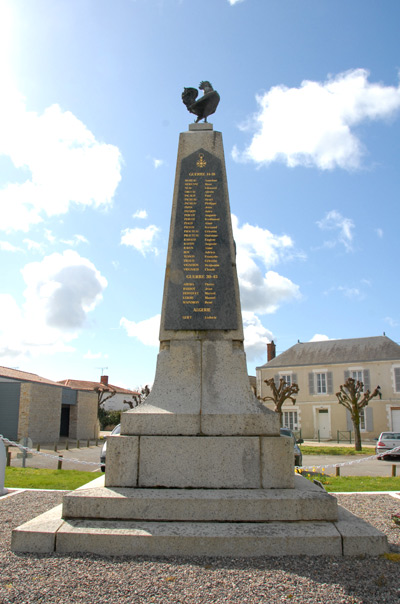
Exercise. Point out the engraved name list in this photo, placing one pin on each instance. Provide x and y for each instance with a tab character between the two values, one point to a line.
201	292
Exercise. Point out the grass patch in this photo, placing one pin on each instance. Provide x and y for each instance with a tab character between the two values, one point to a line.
346	484
321	450
35	478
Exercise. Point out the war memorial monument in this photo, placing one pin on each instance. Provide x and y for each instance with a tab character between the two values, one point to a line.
200	468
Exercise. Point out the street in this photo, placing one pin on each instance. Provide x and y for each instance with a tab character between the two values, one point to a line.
356	465
84	454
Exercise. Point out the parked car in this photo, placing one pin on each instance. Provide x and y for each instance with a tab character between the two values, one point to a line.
117	430
386	442
298	456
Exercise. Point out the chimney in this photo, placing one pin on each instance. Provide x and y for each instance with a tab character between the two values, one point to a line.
104	380
271	351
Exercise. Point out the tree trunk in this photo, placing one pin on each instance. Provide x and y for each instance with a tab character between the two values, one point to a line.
357	437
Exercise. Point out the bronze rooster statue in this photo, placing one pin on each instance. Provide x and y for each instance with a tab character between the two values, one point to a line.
206	105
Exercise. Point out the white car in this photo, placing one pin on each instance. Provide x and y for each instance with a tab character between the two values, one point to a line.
386	442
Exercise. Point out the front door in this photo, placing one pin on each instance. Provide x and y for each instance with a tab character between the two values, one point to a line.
324	423
64	425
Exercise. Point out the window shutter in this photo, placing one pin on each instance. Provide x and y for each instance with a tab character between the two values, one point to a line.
276	380
349	423
329	379
311	382
397	379
294	378
367	380
369	419
346	375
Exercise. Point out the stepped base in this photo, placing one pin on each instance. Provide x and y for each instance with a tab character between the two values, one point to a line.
305	502
348	536
234	523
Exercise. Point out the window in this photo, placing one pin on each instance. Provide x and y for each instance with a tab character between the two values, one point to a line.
397	379
321	383
289	378
362	419
359	375
290	420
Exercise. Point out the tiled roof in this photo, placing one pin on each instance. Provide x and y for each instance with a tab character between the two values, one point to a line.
328	352
24	376
85	385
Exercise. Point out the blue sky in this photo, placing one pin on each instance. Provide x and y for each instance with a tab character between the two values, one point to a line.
90	115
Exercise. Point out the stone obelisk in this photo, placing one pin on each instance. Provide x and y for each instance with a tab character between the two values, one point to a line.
201	426
200	468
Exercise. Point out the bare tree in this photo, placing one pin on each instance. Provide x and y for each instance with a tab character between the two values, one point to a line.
139	397
103	394
280	394
353	397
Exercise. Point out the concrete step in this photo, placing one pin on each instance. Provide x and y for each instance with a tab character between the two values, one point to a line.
124	538
348	536
202	505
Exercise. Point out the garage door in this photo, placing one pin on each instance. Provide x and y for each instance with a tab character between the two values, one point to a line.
395	420
9	409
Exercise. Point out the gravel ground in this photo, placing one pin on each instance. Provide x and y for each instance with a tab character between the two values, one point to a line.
27	578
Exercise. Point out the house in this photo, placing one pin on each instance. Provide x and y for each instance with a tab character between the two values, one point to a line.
319	368
43	410
110	397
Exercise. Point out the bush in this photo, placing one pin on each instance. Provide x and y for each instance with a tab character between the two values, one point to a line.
109	418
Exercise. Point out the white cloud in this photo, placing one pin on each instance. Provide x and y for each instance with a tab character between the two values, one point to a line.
141	239
256	336
49	236
66	165
146	331
141	214
60	291
34	245
351	292
319	337
75	240
257	249
232	2
379	232
313	125
334	221
6	246
157	163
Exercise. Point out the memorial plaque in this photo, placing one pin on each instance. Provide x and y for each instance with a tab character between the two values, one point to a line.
201	292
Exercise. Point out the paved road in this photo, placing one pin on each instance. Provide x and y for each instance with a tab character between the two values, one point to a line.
83	454
372	467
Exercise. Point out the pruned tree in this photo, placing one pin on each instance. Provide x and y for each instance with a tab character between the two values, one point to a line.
103	394
139	397
281	393
353	397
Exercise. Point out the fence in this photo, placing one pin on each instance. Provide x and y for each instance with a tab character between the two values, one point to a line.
344	436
